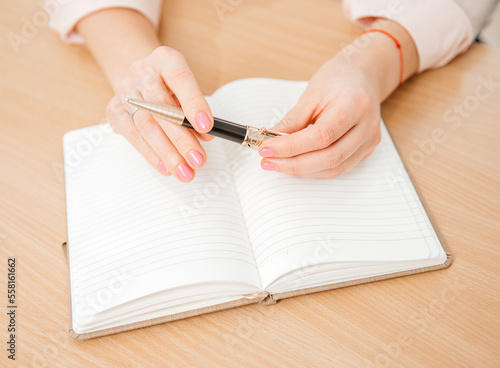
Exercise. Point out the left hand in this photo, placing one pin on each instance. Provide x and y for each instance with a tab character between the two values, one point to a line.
334	125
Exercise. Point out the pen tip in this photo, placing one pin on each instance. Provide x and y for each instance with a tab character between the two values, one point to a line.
126	99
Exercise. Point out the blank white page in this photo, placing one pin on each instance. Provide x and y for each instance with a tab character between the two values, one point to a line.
136	231
369	214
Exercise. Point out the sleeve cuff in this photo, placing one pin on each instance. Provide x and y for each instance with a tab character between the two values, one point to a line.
440	29
64	17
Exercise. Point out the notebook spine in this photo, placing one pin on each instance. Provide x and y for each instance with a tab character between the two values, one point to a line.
263	297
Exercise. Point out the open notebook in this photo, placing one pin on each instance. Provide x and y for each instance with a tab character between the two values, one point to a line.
145	249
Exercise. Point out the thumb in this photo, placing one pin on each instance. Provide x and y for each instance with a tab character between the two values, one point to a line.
297	118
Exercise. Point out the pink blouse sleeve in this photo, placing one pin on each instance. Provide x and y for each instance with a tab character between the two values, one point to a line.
441	29
63	17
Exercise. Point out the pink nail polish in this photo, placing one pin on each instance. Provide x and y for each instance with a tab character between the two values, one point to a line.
268	166
202	120
195	157
184	172
163	168
266	152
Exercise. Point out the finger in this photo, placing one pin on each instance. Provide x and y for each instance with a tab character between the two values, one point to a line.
204	137
324	159
140	144
331	125
175	72
152	87
185	143
298	117
368	154
122	124
182	138
163	147
345	166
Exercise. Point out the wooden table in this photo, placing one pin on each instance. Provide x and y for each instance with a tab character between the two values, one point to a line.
448	318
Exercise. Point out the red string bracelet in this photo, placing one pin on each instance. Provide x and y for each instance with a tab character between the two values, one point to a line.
398	45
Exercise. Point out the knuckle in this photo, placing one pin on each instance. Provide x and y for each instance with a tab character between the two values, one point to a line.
180	139
158	98
163	150
137	66
334	158
179	73
292	148
287	120
291	118
334	173
164	52
147	126
325	136
295	169
132	135
343	118
123	88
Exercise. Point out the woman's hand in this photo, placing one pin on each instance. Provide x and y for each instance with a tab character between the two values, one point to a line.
163	77
334	125
126	45
336	122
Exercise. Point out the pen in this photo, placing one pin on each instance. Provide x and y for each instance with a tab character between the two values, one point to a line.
246	135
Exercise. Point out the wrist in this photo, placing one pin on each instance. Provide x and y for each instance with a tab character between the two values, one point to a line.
118	37
377	56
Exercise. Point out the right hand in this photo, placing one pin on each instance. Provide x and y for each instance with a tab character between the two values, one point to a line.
163	77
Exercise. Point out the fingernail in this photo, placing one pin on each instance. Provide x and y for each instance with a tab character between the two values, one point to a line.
268	166
195	157
266	152
184	172
202	120
163	168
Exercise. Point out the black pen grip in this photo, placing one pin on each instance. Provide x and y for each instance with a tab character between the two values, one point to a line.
224	129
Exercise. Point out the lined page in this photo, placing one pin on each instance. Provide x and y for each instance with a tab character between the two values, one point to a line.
136	231
369	214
